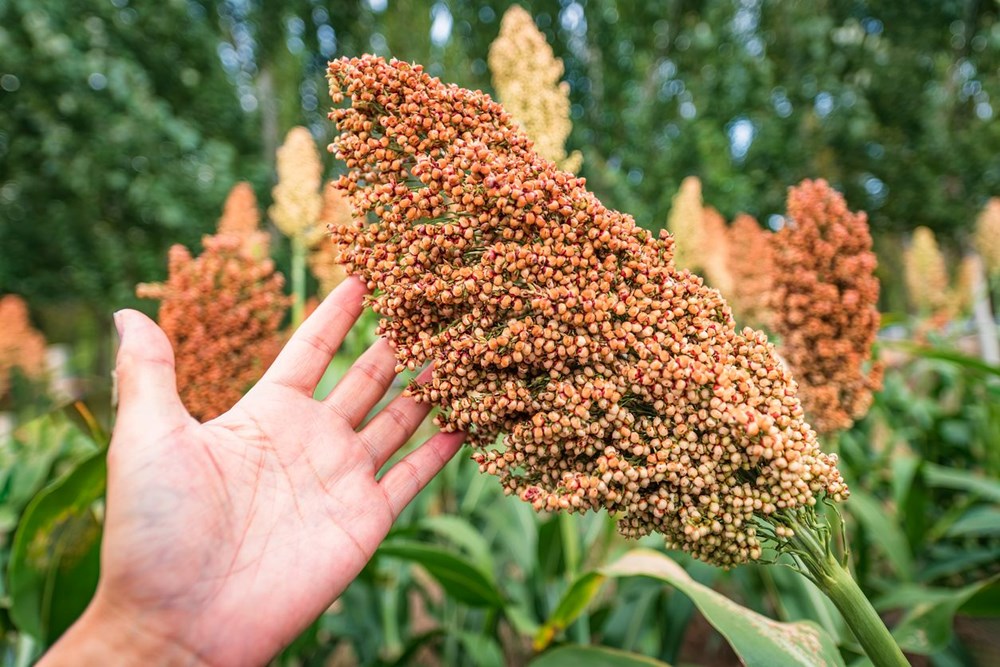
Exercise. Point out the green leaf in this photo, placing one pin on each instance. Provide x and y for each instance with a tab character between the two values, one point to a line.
959	480
55	557
977	522
460	578
29	456
483	651
551	555
953	559
970	363
904	469
886	533
521	619
573	602
593	656
462	534
756	639
926	627
985	602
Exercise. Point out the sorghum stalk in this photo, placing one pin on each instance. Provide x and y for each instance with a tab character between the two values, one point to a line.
807	538
298	280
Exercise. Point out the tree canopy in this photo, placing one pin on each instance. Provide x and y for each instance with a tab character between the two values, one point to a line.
123	125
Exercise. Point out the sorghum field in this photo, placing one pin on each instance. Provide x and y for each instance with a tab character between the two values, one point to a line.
712	287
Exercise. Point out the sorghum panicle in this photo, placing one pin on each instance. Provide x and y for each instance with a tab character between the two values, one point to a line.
618	380
297	197
968	280
241	219
987	238
21	345
926	273
240	214
751	263
221	311
715	251
324	254
823	304
526	77
686	224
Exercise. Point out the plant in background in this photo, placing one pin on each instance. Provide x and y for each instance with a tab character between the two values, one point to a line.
526	77
686	224
222	311
240	214
750	261
324	253
618	380
715	247
298	202
823	305
22	347
926	274
987	236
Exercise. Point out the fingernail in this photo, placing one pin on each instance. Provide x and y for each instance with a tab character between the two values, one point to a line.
117	317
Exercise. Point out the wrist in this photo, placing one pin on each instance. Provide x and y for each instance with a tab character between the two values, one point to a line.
105	635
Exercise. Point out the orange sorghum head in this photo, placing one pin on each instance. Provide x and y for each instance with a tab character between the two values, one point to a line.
221	311
616	380
240	214
21	345
241	219
751	264
526	77
823	305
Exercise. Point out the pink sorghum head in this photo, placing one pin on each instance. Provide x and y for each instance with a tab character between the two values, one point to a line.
615	380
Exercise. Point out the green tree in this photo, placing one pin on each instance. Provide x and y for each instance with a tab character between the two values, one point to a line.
120	134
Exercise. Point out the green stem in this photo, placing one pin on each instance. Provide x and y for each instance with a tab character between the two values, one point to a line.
811	543
298	280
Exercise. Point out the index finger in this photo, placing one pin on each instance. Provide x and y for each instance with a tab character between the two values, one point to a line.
303	360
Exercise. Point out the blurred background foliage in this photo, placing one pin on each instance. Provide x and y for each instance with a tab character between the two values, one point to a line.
123	123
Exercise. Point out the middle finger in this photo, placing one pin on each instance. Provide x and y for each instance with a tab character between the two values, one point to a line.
365	383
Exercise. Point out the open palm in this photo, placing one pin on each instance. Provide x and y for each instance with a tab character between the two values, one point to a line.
226	539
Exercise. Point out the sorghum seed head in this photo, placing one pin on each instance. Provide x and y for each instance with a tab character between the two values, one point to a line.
617	380
823	305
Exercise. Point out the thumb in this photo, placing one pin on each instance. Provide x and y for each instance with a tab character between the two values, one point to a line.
147	379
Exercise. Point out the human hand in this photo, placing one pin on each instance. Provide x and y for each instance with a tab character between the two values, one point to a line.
224	540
